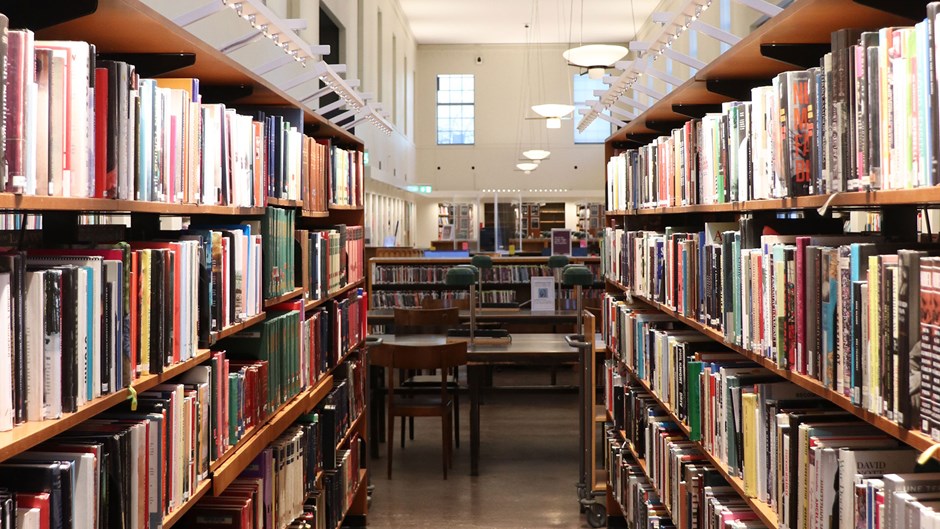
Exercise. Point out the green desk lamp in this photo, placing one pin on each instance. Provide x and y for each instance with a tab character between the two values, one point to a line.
554	263
465	276
579	276
481	262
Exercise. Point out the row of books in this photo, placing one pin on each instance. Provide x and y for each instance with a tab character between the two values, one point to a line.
389	299
277	230
803	456
20	221
683	490
860	120
817	305
435	274
330	259
80	126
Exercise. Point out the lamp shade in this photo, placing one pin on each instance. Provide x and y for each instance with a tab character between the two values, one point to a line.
552	110
461	276
553	123
527	166
595	57
482	261
536	154
577	275
558	261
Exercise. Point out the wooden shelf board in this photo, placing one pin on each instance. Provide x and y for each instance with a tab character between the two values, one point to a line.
312	304
285	202
353	427
232	329
915	439
134	27
227	468
311	214
802	22
170	519
270	302
600	413
45	203
30	434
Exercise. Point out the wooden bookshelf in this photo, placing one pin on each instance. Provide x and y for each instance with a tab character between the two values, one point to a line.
802	22
311	214
227	468
285	203
312	304
916	439
856	199
270	302
38	204
170	519
345	207
32	433
761	509
232	329
354	427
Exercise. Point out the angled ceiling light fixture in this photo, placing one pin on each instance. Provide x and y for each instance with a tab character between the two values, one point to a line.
595	58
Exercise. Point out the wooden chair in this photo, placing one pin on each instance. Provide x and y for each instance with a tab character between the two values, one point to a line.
444	357
427	321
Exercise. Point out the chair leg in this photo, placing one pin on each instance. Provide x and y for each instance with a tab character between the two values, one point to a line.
445	445
403	431
457	416
411	428
391	443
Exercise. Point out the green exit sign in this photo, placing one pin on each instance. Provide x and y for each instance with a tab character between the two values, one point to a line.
419	189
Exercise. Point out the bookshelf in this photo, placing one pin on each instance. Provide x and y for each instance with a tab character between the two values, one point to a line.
137	32
507	282
793	40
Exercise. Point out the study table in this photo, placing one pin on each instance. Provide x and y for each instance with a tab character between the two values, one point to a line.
537	349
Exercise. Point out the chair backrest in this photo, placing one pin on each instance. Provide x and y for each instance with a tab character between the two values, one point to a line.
425	321
441	356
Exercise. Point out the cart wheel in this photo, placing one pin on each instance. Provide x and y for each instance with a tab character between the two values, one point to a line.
597	515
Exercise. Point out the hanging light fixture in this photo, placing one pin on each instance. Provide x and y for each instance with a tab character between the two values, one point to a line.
527	166
536	154
553	113
595	57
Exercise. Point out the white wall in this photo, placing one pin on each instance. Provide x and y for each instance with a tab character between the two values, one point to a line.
499	116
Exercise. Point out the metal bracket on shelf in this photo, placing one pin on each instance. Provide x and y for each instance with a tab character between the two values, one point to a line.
664	126
911	10
736	89
40	15
804	55
224	93
694	110
153	64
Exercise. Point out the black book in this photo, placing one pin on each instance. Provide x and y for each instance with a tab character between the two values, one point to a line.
15	264
41	477
70	298
842	102
157	304
909	357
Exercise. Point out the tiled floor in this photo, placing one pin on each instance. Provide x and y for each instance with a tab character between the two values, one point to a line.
528	467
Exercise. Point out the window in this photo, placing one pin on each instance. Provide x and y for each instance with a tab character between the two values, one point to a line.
455	109
599	129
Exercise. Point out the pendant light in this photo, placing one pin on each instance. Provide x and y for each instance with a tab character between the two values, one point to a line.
596	58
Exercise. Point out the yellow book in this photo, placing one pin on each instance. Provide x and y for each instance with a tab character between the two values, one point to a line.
145	311
749	430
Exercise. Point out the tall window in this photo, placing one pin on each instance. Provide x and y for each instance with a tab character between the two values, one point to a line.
599	129
455	109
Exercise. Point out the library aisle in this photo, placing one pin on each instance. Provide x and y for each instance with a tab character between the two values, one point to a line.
527	479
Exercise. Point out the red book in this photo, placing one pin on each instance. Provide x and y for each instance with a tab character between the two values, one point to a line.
799	362
101	134
35	500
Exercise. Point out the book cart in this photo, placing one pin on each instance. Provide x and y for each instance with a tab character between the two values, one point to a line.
133	31
794	39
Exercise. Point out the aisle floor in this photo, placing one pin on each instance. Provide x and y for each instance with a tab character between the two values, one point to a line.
528	467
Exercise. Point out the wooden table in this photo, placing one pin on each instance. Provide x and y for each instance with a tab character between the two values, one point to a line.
525	349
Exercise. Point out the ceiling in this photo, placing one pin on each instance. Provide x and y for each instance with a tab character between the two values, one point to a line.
503	21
